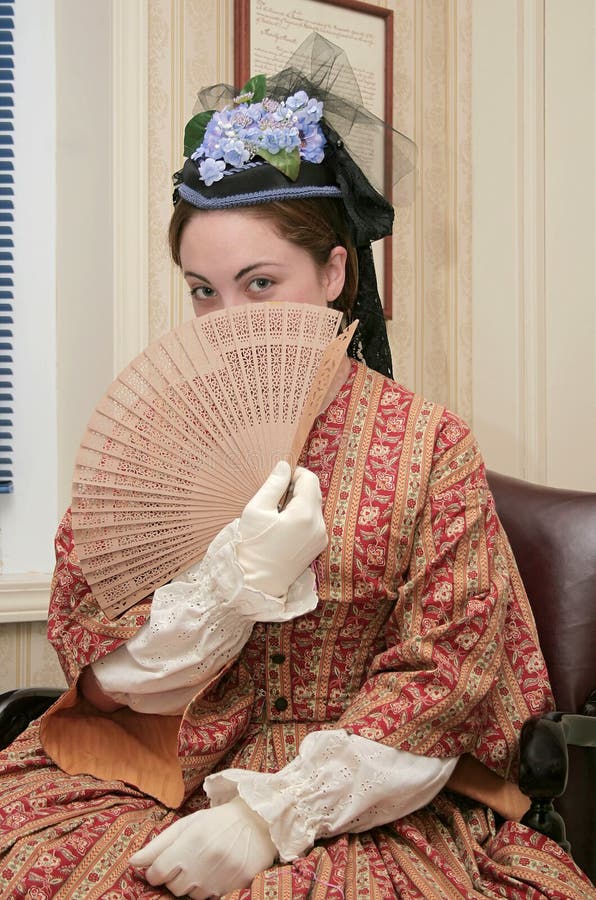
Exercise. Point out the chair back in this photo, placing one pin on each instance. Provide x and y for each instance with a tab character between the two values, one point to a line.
553	537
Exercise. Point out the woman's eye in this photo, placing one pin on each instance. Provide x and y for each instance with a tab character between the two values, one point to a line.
259	284
202	292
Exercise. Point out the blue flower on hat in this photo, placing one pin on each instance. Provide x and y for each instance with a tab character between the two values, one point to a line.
308	109
275	139
313	144
234	152
211	170
300	98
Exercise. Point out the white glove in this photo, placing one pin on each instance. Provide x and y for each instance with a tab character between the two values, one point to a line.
277	546
202	620
209	852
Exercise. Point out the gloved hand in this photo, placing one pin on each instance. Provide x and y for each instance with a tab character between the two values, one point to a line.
277	546
209	852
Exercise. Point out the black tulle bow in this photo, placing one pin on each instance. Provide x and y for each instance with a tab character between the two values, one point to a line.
369	213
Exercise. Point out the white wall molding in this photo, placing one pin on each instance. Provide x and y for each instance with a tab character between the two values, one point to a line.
497	248
534	109
24	598
178	89
452	125
570	238
459	147
531	243
419	223
130	178
509	348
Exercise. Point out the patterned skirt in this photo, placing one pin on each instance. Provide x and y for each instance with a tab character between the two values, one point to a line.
70	837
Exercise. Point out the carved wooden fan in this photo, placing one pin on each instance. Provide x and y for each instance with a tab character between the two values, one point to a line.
186	435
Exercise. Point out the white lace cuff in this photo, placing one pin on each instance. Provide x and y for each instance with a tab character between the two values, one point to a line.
198	623
338	783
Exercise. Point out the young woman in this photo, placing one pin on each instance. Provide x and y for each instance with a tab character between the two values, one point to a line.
329	703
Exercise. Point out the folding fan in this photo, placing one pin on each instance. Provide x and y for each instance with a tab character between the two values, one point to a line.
186	435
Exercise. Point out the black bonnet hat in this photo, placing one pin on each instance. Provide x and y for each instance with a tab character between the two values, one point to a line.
292	136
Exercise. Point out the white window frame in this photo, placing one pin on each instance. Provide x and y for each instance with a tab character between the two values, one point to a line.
28	517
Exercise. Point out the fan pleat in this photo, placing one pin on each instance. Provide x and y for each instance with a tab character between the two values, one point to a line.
187	433
156	548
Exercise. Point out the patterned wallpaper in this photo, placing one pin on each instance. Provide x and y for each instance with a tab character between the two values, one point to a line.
26	658
190	45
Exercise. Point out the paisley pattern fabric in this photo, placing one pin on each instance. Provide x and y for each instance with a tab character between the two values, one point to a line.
422	640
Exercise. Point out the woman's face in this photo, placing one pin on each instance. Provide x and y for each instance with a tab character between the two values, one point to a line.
232	257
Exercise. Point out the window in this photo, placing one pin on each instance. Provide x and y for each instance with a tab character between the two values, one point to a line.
29	514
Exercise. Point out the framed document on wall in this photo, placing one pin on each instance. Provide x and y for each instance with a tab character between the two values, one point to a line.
267	32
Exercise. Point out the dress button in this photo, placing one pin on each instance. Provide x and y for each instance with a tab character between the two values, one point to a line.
278	658
280	704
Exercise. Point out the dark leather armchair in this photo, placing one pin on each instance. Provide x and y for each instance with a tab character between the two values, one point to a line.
553	536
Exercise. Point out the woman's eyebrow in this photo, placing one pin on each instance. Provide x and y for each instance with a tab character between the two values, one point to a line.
247	269
188	274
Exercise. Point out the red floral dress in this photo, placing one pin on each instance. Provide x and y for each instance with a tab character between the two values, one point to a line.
422	640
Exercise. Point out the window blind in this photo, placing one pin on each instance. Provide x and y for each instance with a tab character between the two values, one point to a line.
6	242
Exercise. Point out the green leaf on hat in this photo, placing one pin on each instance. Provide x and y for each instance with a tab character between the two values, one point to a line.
257	86
287	161
195	131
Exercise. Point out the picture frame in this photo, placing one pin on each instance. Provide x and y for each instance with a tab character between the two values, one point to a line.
266	32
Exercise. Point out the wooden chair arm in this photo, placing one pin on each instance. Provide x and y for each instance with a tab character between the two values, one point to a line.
544	764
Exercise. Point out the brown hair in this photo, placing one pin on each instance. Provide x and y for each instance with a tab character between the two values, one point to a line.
317	225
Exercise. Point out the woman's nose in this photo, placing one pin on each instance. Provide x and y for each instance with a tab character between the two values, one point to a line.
230	299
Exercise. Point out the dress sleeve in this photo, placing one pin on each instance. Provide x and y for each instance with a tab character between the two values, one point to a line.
337	783
462	669
198	623
149	651
77	627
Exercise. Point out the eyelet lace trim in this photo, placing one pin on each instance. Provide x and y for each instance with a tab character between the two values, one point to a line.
338	783
198	623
